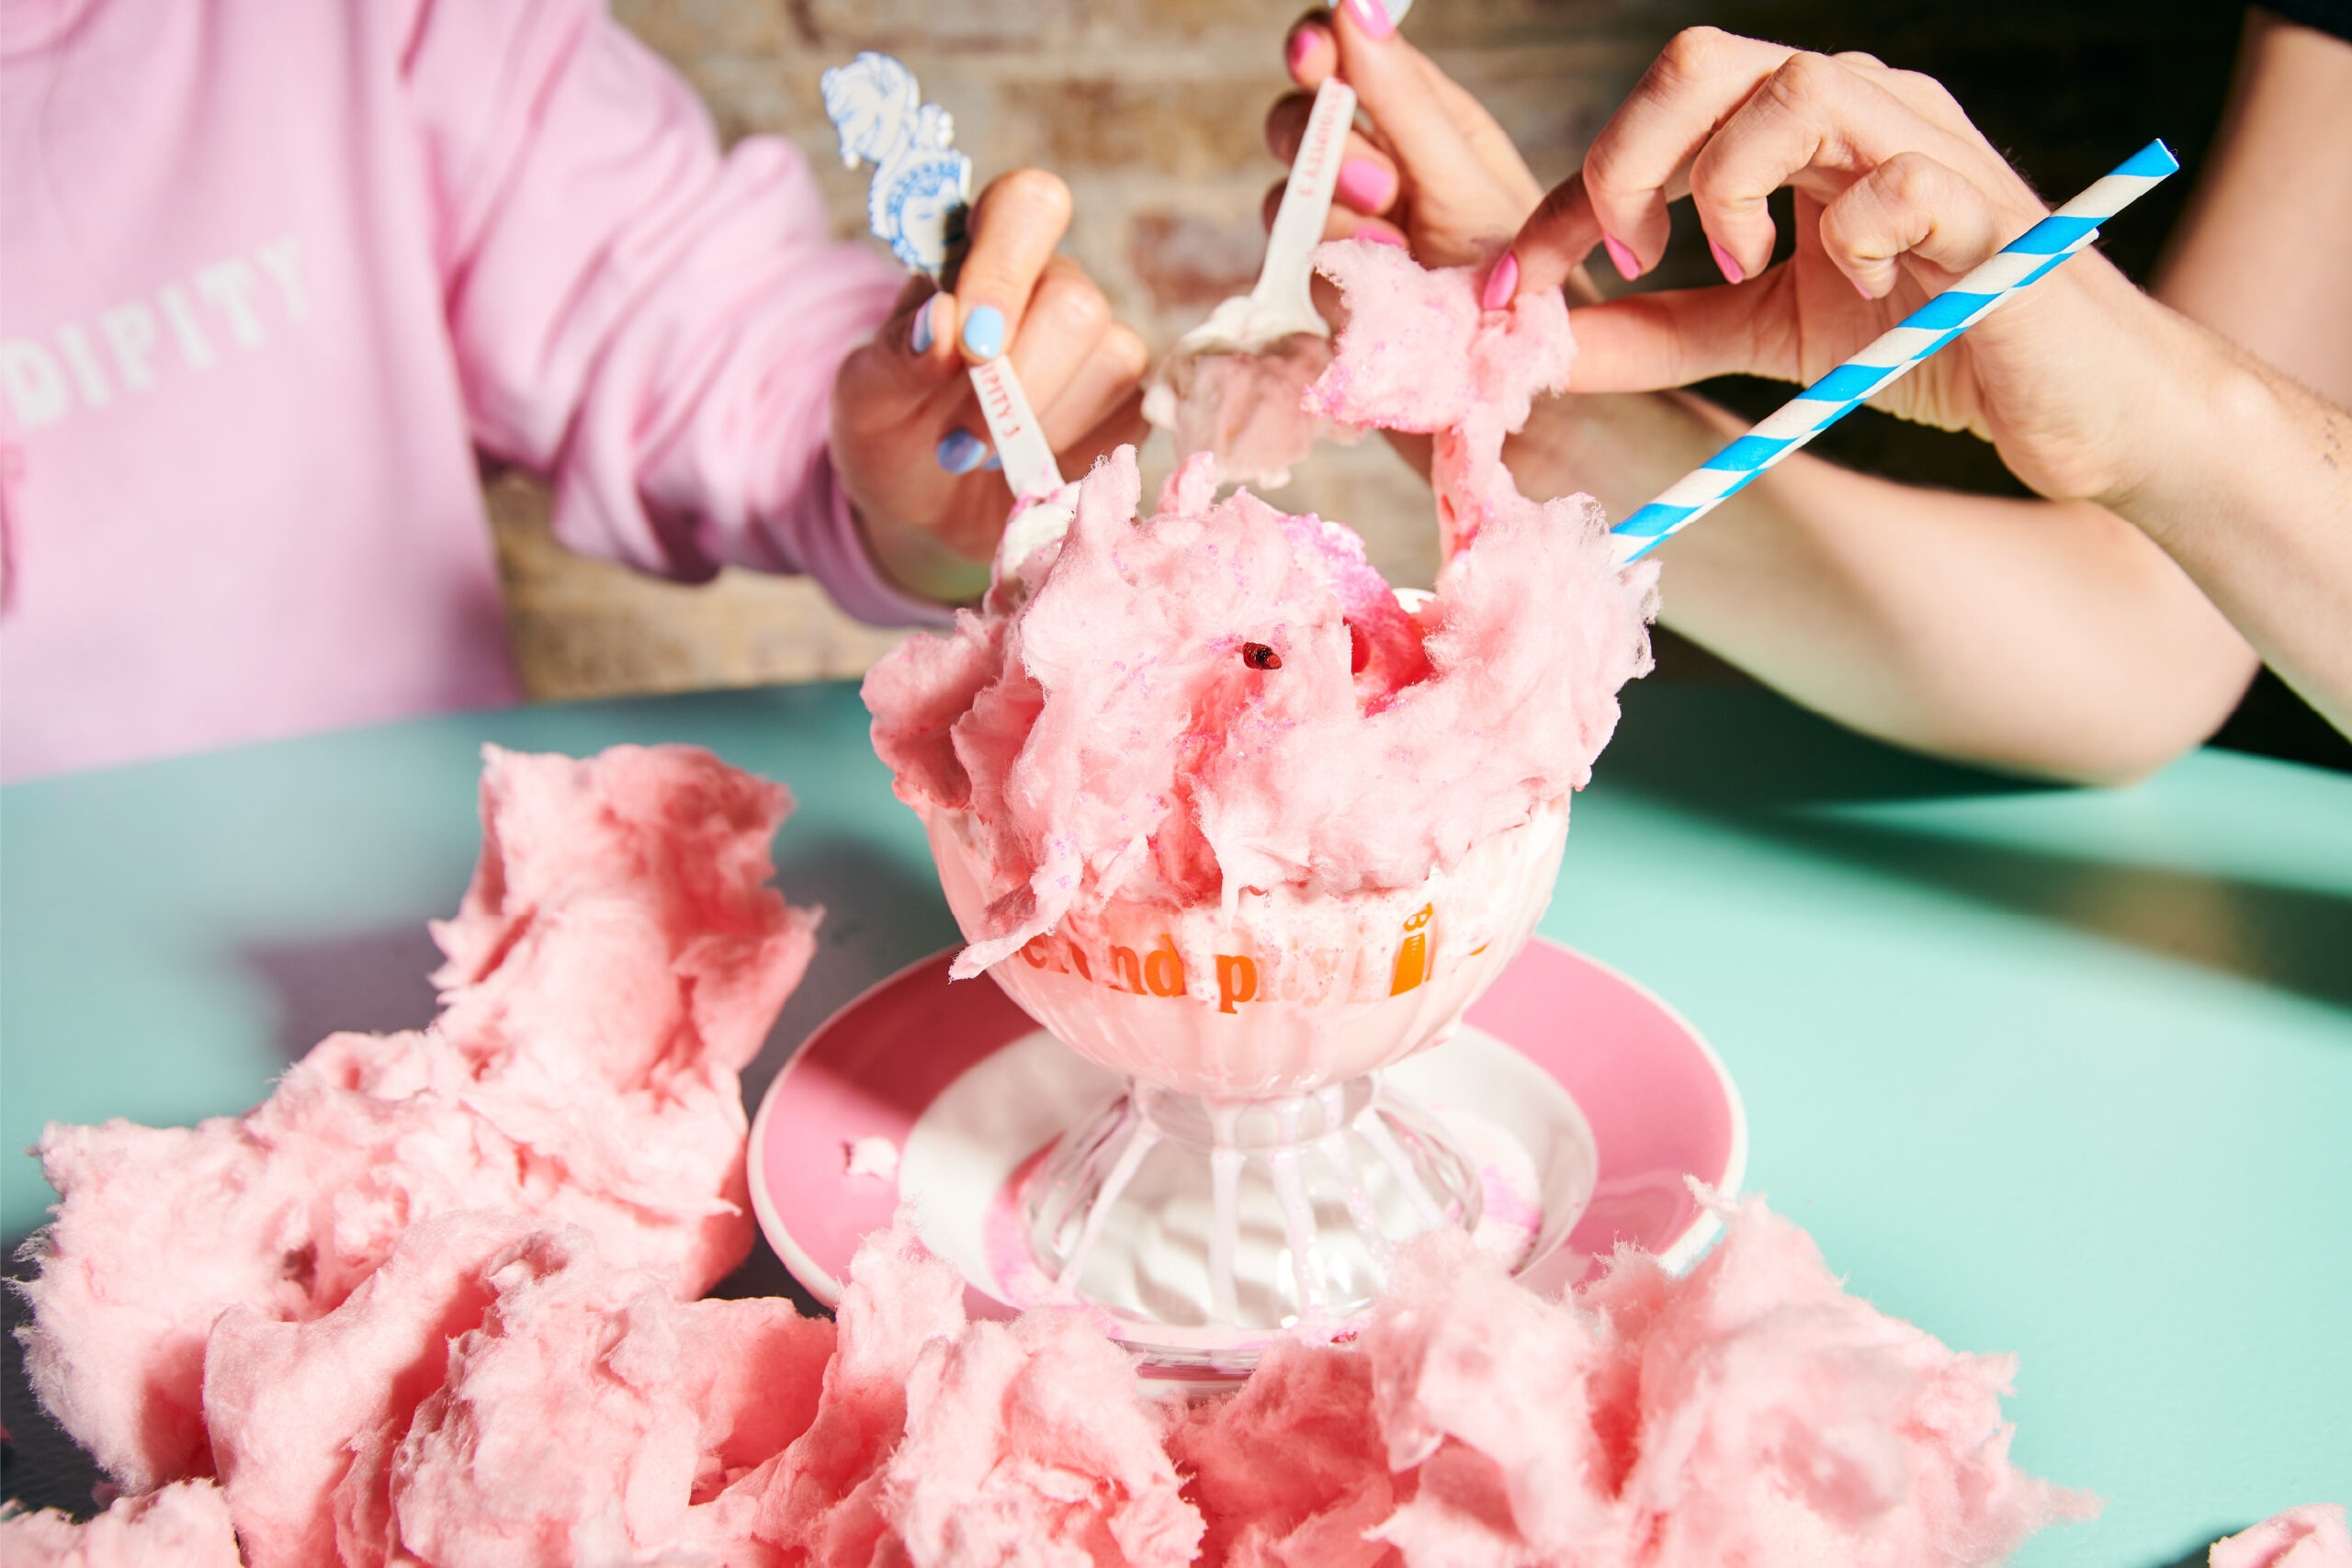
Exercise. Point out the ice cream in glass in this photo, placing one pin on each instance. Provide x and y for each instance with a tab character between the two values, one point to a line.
1229	815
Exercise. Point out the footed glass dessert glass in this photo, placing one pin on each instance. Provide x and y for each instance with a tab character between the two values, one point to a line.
1257	1174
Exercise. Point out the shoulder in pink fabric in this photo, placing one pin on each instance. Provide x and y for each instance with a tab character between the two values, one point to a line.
1219	697
618	961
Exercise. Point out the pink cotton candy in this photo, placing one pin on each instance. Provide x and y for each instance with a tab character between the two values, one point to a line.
825	1495
1750	1412
1246	410
301	1415
948	1445
1032	1443
497	1393
592	1418
2313	1535
185	1526
1314	1506
502	1394
1103	722
1417	352
618	960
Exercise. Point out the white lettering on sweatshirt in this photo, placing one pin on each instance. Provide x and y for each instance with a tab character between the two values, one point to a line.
45	375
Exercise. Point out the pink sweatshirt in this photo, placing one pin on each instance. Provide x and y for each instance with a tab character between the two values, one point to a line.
272	274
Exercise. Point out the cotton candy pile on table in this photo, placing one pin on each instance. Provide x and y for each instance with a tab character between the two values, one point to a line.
2313	1535
185	1525
1749	1413
501	1393
1221	700
618	960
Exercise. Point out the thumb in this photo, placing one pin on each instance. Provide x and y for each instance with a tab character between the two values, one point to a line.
1645	342
1555	238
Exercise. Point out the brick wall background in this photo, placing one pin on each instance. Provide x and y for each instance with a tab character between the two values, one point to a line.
1152	112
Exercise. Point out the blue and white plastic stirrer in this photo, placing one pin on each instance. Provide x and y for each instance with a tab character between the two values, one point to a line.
917	202
2018	265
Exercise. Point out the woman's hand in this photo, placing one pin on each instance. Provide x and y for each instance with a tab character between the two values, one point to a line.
1436	171
1897	195
908	444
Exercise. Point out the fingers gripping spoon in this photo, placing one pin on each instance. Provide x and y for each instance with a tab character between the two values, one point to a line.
918	204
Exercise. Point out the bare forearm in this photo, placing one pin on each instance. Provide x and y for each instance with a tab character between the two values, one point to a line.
2051	639
2246	482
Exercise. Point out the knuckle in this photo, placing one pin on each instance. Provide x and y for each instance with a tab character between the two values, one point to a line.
1803	77
1072	299
1124	349
1909	179
1605	178
1854	57
1694	53
1554	210
1719	183
1927	89
1034	193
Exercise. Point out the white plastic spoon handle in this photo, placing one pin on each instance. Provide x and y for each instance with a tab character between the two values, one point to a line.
1306	202
1029	465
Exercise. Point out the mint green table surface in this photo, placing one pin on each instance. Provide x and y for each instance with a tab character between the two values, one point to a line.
2062	1072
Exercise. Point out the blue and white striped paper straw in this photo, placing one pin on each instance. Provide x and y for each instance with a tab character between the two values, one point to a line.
2018	266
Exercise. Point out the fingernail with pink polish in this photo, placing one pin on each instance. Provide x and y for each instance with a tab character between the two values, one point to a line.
1378	18
1501	283
1863	290
1380	236
1628	267
1365	186
1302	44
1733	272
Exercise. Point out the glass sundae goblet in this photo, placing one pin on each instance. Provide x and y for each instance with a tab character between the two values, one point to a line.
1257	1174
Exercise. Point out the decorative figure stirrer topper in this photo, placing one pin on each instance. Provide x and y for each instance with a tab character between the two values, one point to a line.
923	187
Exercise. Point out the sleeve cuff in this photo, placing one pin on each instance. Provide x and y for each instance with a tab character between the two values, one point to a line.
838	558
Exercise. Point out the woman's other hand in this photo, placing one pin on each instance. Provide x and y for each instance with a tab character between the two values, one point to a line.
1435	171
1897	194
908	444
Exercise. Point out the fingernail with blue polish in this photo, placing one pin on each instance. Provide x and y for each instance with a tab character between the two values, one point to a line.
984	331
921	340
961	451
995	464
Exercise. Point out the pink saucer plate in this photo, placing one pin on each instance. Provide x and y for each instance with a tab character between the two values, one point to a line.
1599	1096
